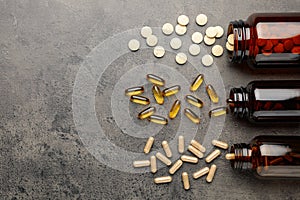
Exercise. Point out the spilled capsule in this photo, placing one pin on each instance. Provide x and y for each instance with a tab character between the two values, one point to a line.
197	82
166	148
140	100
180	144
175	167
163	179
155	79
200	173
213	155
158	95
171	90
212	93
194	101
175	109
189	159
141	163
220	144
211	173
153	165
148	145
195	151
158	119
146	113
198	146
192	116
216	112
163	159
185	180
134	90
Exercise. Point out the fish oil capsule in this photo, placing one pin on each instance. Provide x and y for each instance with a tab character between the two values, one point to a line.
200	173
148	145
194	101
212	93
175	167
158	119
153	165
212	155
192	116
134	90
198	146
211	173
140	100
180	144
163	179
171	90
189	159
167	149
216	112
175	109
163	159
156	80
185	180
158	96
195	151
146	113
197	82
141	163
220	144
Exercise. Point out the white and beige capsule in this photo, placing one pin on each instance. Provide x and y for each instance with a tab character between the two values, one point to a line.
153	164
175	166
189	159
211	173
185	180
200	173
198	146
220	144
148	145
180	144
163	179
213	155
195	151
163	159
166	148
141	163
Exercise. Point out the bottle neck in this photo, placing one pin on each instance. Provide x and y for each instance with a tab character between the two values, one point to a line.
238	102
242	156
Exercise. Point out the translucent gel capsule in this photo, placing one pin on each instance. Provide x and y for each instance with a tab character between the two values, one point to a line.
212	93
158	95
213	155
189	159
163	179
155	79
171	90
163	159
175	167
211	173
194	101
166	148
134	90
140	100
141	163
216	112
195	151
153	165
192	116
197	82
158	119
148	145
175	109
198	146
200	173
180	144
146	113
185	180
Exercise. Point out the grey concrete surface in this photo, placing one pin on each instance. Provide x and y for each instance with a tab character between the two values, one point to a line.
42	45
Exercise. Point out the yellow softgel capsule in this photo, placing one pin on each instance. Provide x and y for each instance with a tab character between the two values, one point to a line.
192	116
134	90
146	113
185	180
212	93
158	95
148	145
194	101
175	109
155	79
163	179
171	90
158	119
197	82
140	100
176	166
216	112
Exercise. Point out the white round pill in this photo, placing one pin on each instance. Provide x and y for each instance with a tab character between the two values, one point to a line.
146	31
220	31
175	43
217	50
194	49
207	60
151	40
183	20
197	37
168	29
209	41
181	58
201	19
134	45
180	30
211	32
159	51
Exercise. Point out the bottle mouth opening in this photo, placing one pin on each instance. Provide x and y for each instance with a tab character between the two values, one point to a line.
235	41
237	102
229	45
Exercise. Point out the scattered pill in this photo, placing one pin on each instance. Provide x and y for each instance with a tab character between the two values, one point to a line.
198	146
195	151
180	30
151	40
220	144
207	60
175	166
171	90
197	82
181	58
163	179
159	51
158	119
134	45
153	165
201	19
141	163
194	49
229	47
134	90
230	39
209	41
139	100
230	156
200	173
180	144
155	79
166	148
189	159
217	50
194	101
191	115
174	109
212	93
220	31
216	112
183	20
148	145
197	37
163	159
158	95
175	43
168	29
185	180
211	32
146	113
146	31
213	155
211	173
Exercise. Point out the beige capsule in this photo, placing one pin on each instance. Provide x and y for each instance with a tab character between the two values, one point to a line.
171	90
140	100
163	159
146	113
213	155
195	151
175	109
180	144
230	156
216	112
166	148
158	119
200	173
156	80
175	167
198	146
194	101
134	90
191	115
153	164
220	144
141	163
163	179
197	82
211	173
189	159
212	93
158	95
148	145
185	180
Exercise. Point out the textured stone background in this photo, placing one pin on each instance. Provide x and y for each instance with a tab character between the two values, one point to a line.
43	43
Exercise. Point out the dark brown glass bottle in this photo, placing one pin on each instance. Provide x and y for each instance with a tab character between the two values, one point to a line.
266	40
267	101
268	156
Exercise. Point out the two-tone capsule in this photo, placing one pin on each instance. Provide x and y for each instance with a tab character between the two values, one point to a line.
191	115
197	82
148	145
194	101
175	109
216	112
171	90
158	95
134	90
158	119
155	79
212	93
146	113
140	100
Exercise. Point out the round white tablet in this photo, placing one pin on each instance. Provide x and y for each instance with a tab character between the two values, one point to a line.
181	58
197	37
168	29
151	40
194	49
207	60
146	31
134	45
175	43
211	32
201	19
180	30
183	20
159	51
220	31
217	50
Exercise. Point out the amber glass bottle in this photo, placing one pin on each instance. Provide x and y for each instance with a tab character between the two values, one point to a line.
267	101
268	156
266	40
